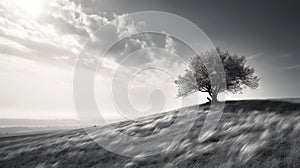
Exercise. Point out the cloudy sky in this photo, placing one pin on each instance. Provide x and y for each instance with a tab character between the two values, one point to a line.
40	41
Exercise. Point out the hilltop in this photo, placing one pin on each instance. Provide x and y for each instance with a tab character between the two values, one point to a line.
251	133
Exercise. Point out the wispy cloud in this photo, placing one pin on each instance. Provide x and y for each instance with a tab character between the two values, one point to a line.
170	44
285	55
292	67
254	56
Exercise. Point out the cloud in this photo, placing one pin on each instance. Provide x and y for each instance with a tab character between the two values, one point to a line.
42	39
36	49
254	56
292	67
12	48
137	42
285	55
60	30
170	44
126	26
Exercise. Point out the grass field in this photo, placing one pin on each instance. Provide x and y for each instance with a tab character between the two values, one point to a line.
251	133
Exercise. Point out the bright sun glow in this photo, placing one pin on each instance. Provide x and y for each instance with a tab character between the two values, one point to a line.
31	7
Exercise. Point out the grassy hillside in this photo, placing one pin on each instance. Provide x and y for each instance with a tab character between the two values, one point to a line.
251	133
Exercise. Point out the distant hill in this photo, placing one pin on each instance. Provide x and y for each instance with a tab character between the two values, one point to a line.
251	133
38	122
17	126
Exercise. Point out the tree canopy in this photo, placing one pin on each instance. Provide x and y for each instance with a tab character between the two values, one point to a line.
197	77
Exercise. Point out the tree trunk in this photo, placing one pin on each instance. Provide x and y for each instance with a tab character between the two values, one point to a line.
213	97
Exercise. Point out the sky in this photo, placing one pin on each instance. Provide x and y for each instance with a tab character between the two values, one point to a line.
40	42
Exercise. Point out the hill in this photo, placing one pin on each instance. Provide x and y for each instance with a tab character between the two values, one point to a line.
251	133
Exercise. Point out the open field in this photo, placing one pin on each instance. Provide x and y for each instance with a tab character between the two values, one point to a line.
251	133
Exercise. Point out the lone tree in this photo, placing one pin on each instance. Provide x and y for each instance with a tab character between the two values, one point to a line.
197	77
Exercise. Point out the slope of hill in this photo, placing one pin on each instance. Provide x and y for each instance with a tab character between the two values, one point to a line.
251	133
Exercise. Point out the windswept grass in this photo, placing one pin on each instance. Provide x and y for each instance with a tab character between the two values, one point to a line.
260	133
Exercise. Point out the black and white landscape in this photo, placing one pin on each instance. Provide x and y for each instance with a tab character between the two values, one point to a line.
161	83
